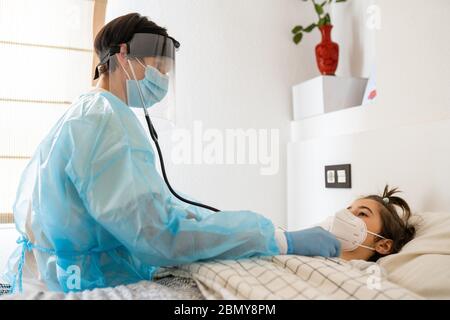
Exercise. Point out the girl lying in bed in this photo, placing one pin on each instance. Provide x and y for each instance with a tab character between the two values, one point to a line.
371	227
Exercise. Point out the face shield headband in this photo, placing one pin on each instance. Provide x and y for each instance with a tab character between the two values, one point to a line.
140	46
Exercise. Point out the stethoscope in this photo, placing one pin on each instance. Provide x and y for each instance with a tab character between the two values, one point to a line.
154	137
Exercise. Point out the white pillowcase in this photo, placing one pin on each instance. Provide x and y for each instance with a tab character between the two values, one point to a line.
423	264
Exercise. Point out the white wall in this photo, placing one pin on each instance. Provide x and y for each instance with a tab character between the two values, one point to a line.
413	89
356	40
235	69
413	158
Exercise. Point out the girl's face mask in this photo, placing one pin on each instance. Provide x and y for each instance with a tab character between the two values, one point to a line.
350	230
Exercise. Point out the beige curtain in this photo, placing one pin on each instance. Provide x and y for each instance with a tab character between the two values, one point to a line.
46	61
98	21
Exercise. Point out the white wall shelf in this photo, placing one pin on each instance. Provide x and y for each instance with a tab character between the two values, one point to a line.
326	94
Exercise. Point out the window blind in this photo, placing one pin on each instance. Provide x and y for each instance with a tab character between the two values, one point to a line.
46	61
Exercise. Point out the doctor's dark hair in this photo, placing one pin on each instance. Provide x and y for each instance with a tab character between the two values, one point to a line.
395	226
121	30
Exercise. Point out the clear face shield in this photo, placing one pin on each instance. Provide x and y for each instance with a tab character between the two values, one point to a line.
142	74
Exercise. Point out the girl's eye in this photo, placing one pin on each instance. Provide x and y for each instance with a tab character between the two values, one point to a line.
362	214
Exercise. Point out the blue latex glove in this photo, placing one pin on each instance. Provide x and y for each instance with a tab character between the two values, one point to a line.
313	242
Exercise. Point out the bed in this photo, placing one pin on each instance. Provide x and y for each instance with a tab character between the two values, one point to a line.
278	277
421	270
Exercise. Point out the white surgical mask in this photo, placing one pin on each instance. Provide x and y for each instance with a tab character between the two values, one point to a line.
350	230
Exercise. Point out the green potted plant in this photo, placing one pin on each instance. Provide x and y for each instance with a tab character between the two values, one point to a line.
327	51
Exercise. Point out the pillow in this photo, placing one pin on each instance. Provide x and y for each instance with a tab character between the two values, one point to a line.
423	264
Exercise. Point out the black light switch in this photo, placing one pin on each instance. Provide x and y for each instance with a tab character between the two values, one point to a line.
338	176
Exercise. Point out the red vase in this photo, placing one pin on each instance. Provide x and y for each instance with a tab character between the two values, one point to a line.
327	52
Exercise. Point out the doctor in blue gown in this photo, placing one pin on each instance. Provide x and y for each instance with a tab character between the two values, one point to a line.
92	209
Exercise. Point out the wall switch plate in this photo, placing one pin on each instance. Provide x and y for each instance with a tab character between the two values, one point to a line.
338	176
331	176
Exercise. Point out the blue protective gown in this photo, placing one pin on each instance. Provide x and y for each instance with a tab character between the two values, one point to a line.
91	203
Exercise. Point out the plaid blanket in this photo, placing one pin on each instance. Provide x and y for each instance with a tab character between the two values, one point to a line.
293	277
4	288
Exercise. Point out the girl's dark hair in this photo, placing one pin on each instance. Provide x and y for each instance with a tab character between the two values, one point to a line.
394	226
122	30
